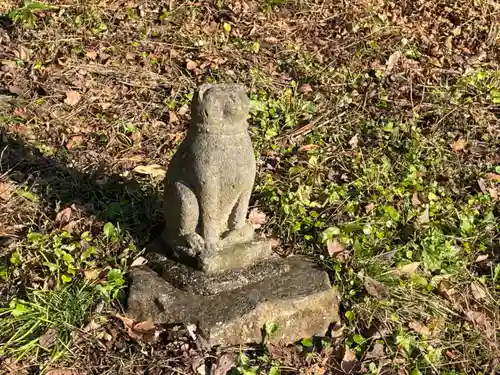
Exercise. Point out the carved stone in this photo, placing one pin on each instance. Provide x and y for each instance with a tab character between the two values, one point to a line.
209	180
299	299
216	273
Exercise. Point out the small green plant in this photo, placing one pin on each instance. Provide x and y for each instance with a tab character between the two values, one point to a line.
268	330
41	322
271	116
245	366
27	14
62	258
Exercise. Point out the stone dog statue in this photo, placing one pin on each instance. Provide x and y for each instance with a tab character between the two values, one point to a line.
223	279
210	178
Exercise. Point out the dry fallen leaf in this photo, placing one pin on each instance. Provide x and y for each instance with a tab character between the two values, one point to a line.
145	326
200	369
370	207
74	141
104	335
375	288
481	258
482	185
459	144
348	361
334	247
445	289
436	280
303	88
257	218
91	274
492	176
493	193
481	319
419	327
415	202
424	217
142	331
153	170
6	191
183	110
140	261
72	98
448	43
172	117
61	372
314	369
48	339
15	90
477	291
354	142
377	352
393	60
92	326
190	65
72	226
64	216
407	270
23	53
91	54
191	328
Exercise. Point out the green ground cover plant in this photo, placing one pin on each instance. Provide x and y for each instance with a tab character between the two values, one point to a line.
376	130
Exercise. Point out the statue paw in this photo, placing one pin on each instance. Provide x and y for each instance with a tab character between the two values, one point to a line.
195	243
240	235
210	247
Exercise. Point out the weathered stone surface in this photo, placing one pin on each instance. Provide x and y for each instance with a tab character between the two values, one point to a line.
198	282
238	255
210	178
299	299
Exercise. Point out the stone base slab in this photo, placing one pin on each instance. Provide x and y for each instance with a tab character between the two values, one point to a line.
298	298
229	257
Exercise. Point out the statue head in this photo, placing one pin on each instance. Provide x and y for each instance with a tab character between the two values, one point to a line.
220	109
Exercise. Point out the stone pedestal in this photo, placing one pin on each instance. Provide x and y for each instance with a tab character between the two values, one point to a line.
232	307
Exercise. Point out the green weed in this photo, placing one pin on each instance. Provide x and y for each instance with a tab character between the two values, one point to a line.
77	273
63	258
387	206
26	15
41	323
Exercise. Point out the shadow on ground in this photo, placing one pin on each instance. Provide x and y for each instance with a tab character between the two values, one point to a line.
134	206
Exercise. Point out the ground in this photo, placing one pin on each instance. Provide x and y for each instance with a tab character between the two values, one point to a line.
376	126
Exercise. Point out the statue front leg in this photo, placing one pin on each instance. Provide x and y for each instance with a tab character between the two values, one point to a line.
182	213
209	215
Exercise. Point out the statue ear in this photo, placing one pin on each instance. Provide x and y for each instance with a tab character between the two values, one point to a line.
196	104
202	90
